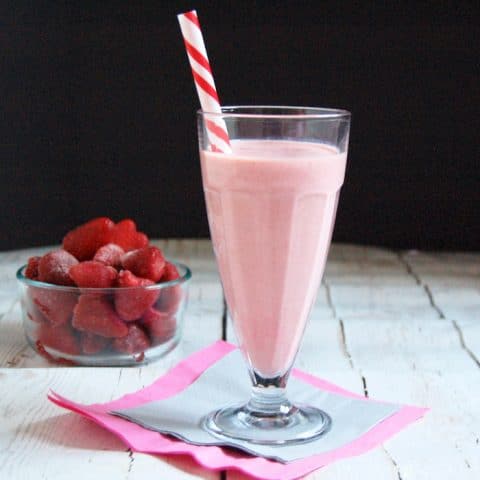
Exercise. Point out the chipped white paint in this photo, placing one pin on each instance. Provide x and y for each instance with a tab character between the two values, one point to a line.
396	326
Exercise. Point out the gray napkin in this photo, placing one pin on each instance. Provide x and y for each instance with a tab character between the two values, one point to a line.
226	383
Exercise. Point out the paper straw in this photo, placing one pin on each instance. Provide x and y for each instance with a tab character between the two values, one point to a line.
204	83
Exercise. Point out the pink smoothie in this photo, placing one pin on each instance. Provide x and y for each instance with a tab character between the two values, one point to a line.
271	207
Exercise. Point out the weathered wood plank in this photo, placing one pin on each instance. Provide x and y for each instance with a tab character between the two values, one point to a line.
398	326
406	351
33	429
39	440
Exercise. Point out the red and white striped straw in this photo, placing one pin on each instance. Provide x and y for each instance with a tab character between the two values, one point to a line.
202	75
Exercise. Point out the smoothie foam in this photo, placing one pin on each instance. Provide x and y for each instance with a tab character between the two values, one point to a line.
283	195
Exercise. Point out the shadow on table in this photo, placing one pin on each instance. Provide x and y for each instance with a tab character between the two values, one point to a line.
74	431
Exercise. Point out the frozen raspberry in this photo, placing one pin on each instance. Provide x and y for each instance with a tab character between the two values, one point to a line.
135	341
60	338
92	344
91	274
131	303
160	325
55	305
125	235
53	267
85	240
32	268
110	255
147	262
95	314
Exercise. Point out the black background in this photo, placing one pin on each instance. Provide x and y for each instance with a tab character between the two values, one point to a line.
97	111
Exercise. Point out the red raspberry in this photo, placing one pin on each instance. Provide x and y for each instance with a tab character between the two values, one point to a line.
95	314
147	262
55	305
131	303
85	240
110	255
59	338
32	268
91	274
126	236
135	341
92	344
53	267
160	325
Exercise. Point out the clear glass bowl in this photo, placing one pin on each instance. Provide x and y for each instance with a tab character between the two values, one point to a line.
104	326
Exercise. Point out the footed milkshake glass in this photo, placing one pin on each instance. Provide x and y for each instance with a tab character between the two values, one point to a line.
271	204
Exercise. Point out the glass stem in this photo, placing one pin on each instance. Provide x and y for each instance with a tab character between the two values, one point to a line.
269	397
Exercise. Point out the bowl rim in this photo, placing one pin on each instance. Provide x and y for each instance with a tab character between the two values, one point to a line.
183	279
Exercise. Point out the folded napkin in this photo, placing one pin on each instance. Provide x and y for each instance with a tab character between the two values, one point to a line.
227	383
176	402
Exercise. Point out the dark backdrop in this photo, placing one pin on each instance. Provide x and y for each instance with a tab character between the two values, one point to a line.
97	111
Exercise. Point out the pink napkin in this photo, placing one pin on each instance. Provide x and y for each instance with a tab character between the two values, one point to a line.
217	458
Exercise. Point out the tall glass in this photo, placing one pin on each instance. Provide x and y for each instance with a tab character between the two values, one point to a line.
271	205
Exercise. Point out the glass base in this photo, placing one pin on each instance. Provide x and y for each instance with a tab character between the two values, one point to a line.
295	424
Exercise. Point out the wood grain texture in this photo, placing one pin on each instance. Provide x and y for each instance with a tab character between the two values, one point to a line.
32	430
397	326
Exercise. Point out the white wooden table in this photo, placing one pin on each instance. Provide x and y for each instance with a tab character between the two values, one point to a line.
398	326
